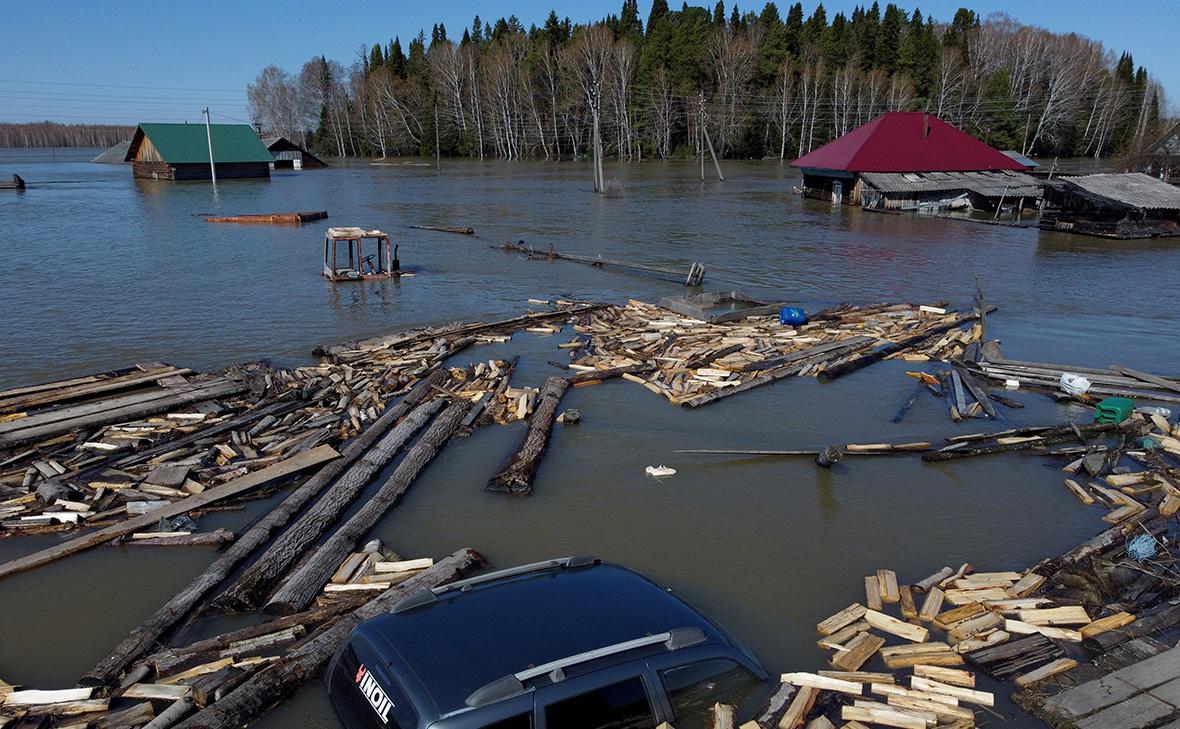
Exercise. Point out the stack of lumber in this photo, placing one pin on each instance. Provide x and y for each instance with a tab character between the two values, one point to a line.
697	362
374	568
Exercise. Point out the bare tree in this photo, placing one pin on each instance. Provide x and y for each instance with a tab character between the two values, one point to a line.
274	106
587	60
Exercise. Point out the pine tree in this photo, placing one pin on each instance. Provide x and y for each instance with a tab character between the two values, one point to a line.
659	9
376	58
889	39
629	23
476	31
719	13
395	59
793	30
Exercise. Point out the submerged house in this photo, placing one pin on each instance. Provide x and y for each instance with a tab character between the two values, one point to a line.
1132	205
913	160
181	152
290	156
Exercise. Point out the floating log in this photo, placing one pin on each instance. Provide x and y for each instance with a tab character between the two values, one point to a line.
273	218
460	229
309	577
232	488
851	449
249	589
281	678
1049	437
16	183
216	537
517	475
694	276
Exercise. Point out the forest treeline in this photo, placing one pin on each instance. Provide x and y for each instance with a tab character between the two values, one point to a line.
762	84
52	134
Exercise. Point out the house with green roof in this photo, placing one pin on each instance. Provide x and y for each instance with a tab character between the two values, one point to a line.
181	152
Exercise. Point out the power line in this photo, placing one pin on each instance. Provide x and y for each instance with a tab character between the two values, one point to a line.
113	86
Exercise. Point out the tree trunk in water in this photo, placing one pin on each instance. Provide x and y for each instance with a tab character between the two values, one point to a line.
517	475
307	579
282	678
142	638
252	585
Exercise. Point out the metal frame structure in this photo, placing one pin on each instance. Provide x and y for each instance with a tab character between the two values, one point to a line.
383	267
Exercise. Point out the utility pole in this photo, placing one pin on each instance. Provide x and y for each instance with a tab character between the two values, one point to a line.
712	153
209	140
700	125
437	158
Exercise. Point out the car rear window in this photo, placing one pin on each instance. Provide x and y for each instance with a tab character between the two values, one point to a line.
622	705
694	687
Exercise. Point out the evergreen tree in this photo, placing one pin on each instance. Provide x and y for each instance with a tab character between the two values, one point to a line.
774	47
868	36
659	9
719	13
735	18
476	31
416	60
629	23
958	34
889	39
376	58
813	29
395	60
793	30
686	49
553	30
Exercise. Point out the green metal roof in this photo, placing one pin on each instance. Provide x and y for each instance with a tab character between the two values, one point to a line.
186	143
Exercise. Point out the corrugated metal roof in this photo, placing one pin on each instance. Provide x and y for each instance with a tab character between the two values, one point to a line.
989	184
907	141
187	144
1133	188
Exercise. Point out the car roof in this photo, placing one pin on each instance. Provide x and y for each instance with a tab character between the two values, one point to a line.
466	639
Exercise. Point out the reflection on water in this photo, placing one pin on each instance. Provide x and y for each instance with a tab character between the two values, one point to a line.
101	271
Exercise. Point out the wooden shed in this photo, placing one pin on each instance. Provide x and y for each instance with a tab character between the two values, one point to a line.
1132	205
290	156
181	152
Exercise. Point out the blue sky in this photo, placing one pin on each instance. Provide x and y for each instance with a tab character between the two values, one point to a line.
122	61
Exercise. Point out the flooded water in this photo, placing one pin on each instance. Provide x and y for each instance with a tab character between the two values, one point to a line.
101	271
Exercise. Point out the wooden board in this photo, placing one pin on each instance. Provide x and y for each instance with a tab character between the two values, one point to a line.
296	463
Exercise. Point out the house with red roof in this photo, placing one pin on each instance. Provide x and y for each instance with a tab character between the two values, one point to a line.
911	160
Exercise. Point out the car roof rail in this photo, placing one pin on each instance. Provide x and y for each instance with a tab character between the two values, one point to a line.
427	596
513	684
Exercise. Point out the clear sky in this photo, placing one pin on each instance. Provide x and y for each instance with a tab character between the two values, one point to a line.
123	61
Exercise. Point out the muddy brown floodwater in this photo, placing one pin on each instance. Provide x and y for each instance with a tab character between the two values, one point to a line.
100	271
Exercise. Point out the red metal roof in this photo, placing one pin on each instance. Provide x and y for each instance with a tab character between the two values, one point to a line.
898	142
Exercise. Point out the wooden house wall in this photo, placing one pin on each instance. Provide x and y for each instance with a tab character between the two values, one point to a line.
147	152
194	171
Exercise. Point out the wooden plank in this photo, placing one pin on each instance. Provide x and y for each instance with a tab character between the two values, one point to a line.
1110	622
885	716
857	652
1022	628
799	708
296	463
835	622
843	635
814	680
860	676
1025	586
121	414
1061	665
906	599
31	697
953	676
887	586
872	593
931	605
1152	379
156	691
80	390
971	696
893	626
1065	615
